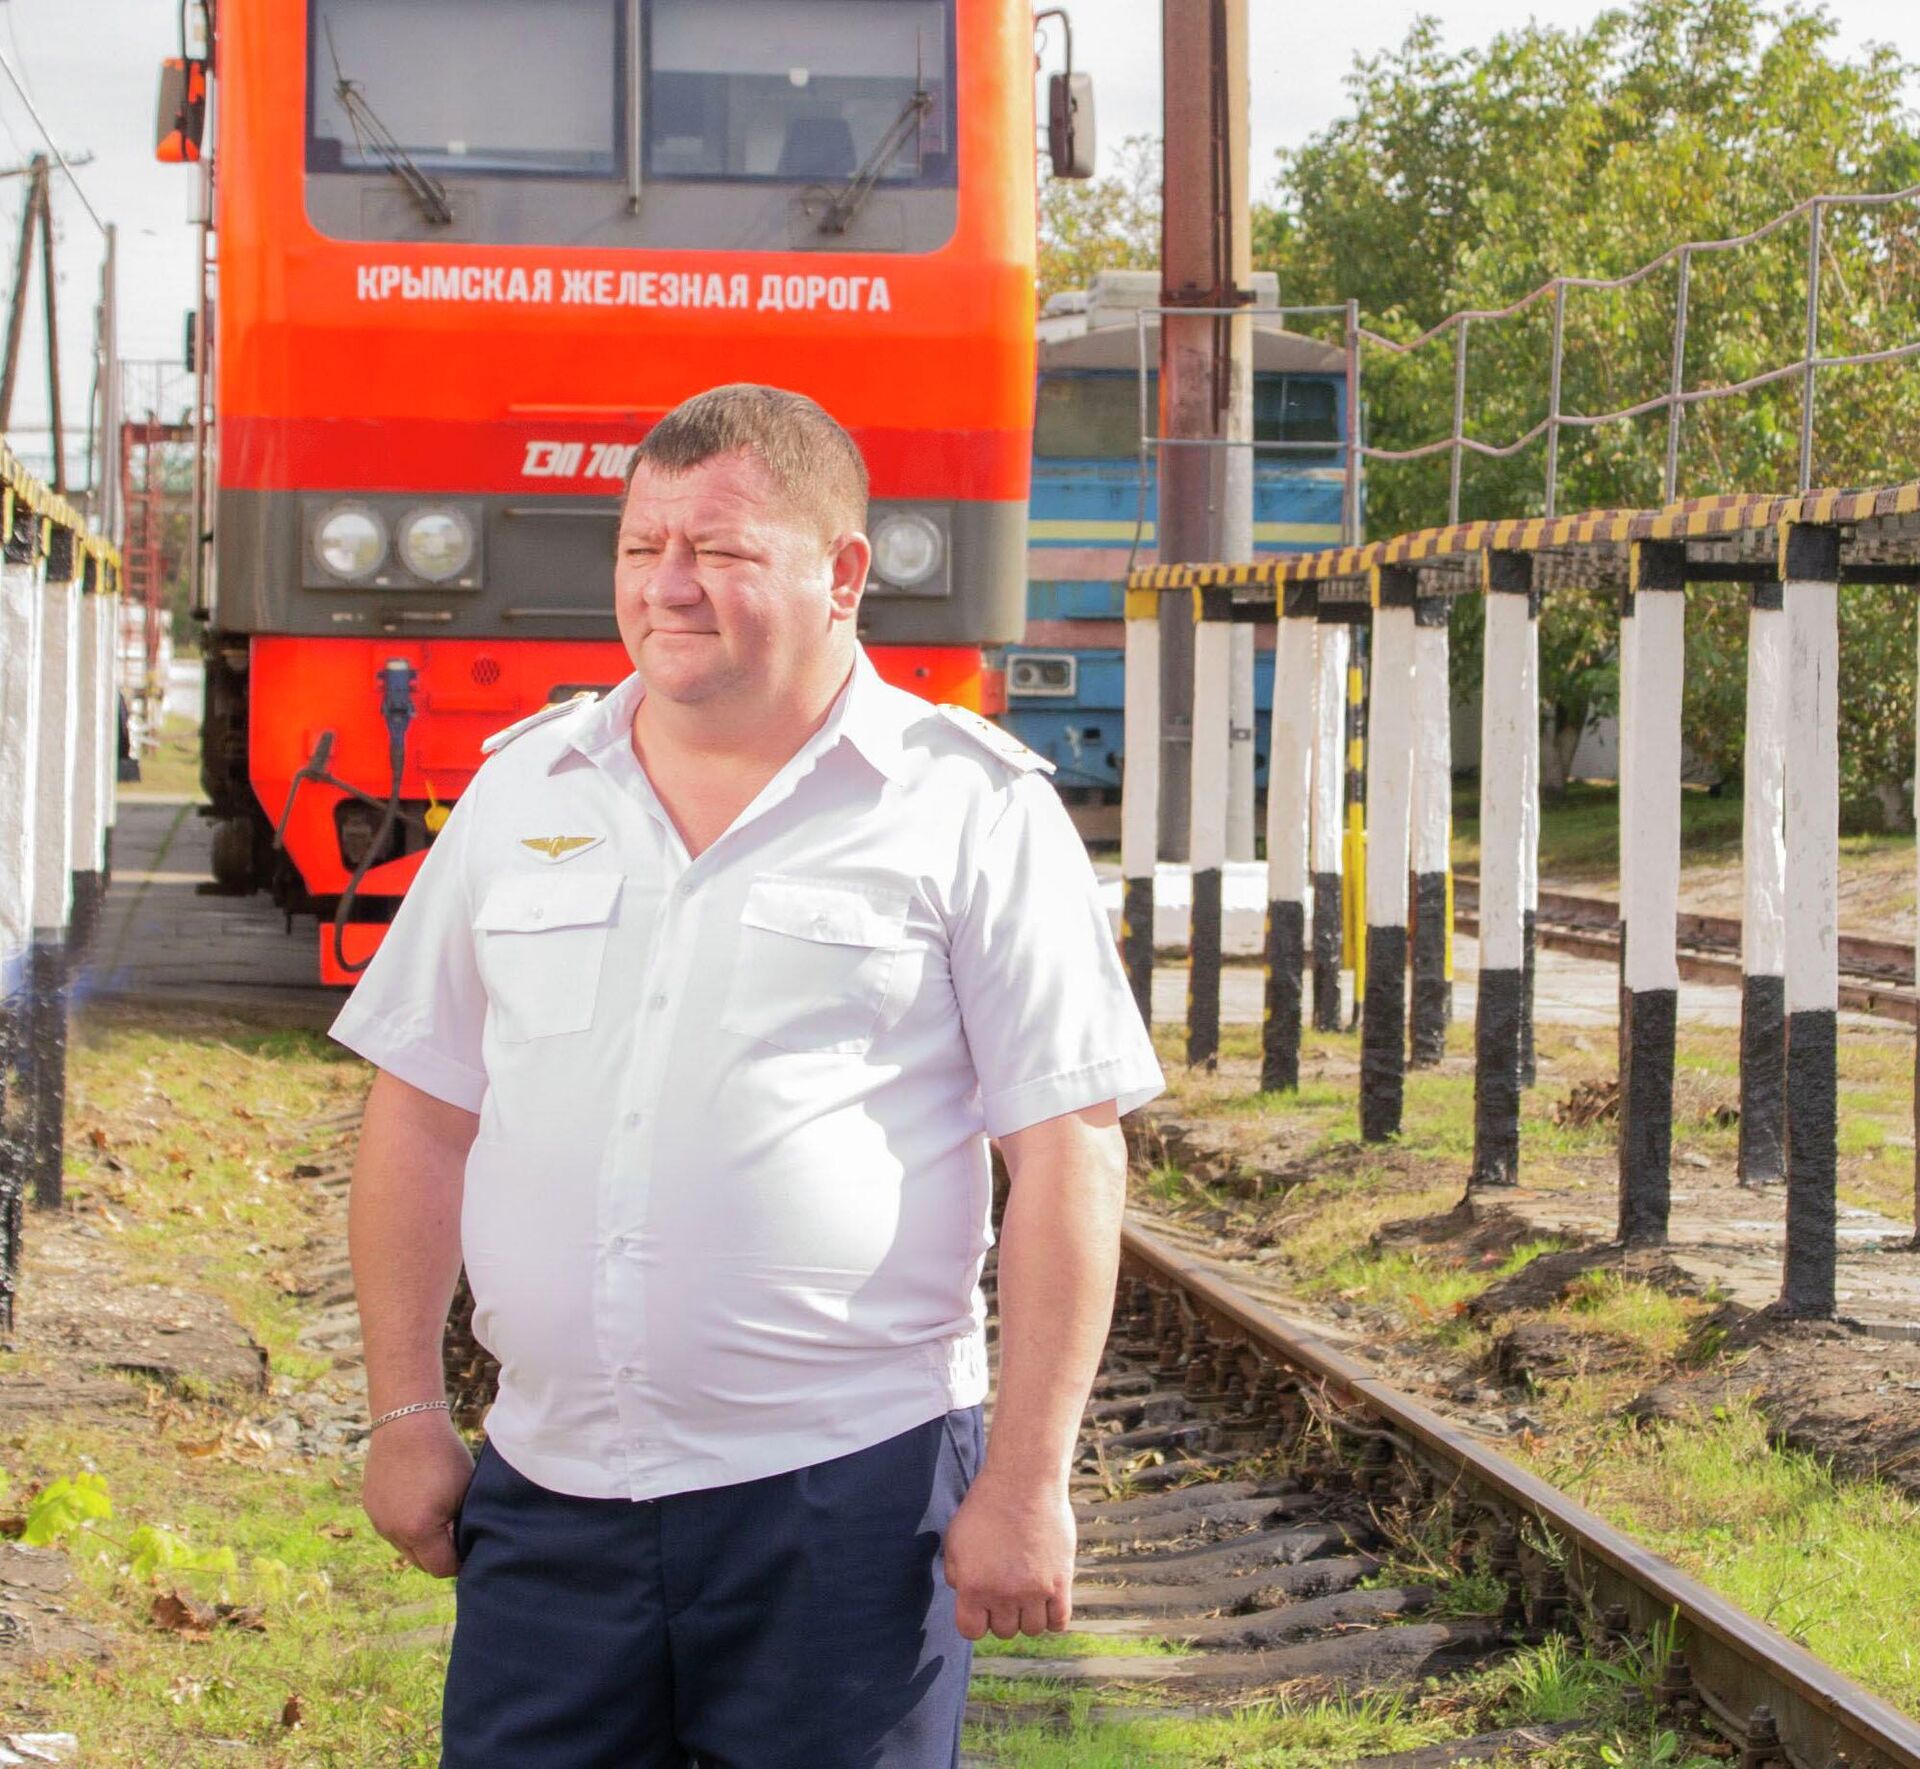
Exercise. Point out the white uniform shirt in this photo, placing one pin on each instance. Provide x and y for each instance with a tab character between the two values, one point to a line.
725	1213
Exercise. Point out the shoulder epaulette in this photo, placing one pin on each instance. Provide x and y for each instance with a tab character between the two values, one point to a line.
1001	745
553	710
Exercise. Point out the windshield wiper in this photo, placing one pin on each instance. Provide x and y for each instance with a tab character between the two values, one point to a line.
374	139
848	201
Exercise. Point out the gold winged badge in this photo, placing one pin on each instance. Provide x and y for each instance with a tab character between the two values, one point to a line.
560	847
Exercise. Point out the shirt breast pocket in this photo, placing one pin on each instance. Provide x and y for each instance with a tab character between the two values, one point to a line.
543	937
814	964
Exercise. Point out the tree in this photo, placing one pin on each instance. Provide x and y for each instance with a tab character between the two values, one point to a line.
1466	179
1110	223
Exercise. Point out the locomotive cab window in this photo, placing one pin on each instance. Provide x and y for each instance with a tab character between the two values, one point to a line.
1296	409
1096	416
466	87
1090	417
799	91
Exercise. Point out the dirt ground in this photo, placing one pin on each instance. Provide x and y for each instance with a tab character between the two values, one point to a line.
1247	1200
92	1345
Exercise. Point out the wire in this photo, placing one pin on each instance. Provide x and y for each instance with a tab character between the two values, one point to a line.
46	135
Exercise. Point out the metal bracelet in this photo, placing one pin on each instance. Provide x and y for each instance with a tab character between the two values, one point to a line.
419	1406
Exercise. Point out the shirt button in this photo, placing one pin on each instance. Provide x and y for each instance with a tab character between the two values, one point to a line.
536	914
633	1120
656	1002
628	1372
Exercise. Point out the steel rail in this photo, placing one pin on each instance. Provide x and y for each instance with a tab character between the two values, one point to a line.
1736	1663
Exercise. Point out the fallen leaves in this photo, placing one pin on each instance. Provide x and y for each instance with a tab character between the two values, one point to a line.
177	1613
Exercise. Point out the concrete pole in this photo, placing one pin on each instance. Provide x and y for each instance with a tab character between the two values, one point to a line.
1290	769
1530	847
1811	592
1329	805
1140	793
53	867
1212	613
1383	1016
1763	925
1205	361
1650	888
1509	703
1432	825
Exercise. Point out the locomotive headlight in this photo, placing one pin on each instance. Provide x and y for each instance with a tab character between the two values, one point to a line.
350	541
907	547
436	543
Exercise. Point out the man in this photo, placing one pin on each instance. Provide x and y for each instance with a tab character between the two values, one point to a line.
690	1035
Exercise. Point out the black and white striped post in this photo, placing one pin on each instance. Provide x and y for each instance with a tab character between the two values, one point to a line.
1383	1020
1530	851
1432	826
1810	573
1290	773
1652	656
93	691
21	617
53	867
1331	643
1208	816
1140	793
1763	926
1510	702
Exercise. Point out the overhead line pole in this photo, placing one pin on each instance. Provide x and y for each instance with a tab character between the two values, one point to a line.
1205	358
22	268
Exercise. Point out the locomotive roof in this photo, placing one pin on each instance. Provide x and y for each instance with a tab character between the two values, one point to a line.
1275	349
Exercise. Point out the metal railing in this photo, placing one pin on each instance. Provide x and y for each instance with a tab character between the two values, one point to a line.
1675	401
1678	396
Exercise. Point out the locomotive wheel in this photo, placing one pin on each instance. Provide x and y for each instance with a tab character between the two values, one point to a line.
233	868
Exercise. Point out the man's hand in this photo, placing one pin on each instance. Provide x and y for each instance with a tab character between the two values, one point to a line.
1009	1557
417	1473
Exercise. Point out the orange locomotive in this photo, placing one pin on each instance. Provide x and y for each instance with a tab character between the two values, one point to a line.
467	251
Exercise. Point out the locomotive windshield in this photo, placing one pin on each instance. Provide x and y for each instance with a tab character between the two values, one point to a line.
797	90
468	86
1097	417
788	91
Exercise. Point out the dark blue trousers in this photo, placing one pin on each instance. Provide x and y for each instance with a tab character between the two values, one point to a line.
797	1622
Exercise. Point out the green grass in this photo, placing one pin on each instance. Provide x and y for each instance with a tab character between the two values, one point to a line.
171	768
1072	1645
1834	1564
1580	831
194	1124
1263	1735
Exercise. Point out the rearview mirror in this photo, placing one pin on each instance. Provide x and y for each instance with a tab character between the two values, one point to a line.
180	118
1070	125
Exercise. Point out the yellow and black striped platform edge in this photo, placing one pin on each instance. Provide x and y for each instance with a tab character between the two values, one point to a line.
1690	519
21	487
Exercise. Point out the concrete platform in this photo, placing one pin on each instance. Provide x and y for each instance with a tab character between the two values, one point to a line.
164	942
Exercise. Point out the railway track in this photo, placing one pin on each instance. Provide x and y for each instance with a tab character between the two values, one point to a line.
1268	1542
1263	1545
1876	976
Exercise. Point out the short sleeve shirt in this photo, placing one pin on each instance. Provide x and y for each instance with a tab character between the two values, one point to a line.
726	1210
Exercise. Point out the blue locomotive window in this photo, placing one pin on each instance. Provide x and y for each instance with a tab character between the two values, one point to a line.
1096	417
799	91
1090	417
465	86
1295	408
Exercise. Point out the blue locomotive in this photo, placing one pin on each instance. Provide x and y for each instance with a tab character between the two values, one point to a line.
1064	693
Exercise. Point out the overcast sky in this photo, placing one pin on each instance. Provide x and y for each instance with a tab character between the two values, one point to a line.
91	66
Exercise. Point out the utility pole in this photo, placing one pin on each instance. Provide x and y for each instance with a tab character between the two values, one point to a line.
22	269
52	293
1206	363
